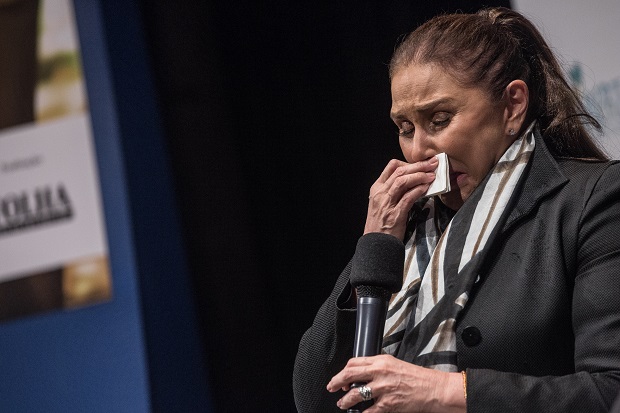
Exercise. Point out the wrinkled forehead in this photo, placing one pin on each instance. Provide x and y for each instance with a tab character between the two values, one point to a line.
421	83
419	89
428	79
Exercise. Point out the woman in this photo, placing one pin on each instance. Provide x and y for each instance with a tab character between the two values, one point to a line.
510	300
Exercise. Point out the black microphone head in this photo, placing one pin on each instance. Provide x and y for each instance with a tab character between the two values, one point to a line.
374	292
378	262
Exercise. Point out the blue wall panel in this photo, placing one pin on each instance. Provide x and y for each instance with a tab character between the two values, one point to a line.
91	359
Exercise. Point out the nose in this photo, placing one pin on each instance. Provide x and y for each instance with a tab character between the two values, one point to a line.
416	148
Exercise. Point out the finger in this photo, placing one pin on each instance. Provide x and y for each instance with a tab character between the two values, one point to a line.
389	215
390	168
355	367
428	165
348	375
353	397
359	370
406	183
390	192
362	361
411	196
396	169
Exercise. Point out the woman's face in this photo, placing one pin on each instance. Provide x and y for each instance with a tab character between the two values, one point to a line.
435	114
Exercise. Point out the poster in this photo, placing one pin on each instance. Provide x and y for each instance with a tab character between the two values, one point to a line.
53	247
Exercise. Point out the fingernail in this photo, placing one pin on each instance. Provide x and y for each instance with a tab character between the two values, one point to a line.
339	403
433	160
431	174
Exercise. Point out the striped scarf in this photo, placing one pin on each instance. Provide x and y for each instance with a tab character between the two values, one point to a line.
441	252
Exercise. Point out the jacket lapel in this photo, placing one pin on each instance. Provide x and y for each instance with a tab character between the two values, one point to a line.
542	178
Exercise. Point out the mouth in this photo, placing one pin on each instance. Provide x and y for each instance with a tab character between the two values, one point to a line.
457	177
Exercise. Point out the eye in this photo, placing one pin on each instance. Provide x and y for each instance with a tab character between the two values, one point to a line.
440	119
405	129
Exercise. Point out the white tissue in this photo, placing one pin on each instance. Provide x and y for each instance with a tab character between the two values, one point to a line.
441	184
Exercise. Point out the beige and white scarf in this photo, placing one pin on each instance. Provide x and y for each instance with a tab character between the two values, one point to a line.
421	322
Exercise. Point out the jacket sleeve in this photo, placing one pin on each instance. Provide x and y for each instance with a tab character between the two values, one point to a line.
595	321
324	350
328	344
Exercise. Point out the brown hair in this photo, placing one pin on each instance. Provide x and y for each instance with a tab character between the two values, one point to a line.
494	47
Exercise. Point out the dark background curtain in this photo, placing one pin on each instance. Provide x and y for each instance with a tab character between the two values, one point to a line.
276	121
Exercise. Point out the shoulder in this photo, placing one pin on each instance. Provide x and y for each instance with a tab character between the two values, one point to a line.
569	190
593	194
583	169
586	176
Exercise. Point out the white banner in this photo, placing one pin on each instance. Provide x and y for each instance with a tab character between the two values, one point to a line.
584	35
50	207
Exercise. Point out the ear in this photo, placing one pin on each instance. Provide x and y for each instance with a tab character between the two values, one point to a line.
517	97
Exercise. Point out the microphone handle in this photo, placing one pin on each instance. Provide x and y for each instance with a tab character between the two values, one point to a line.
370	321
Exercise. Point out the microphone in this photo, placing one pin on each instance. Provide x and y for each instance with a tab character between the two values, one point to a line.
376	273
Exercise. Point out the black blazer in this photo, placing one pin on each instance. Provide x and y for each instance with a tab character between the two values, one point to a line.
541	330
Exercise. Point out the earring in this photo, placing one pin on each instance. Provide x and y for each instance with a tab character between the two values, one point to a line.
511	132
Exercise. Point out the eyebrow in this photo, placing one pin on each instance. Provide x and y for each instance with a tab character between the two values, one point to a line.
423	107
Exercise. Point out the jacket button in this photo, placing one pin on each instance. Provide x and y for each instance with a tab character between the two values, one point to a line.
471	336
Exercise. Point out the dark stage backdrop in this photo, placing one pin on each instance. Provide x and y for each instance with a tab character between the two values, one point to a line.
276	116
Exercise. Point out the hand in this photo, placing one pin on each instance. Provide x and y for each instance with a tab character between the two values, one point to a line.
398	386
395	192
